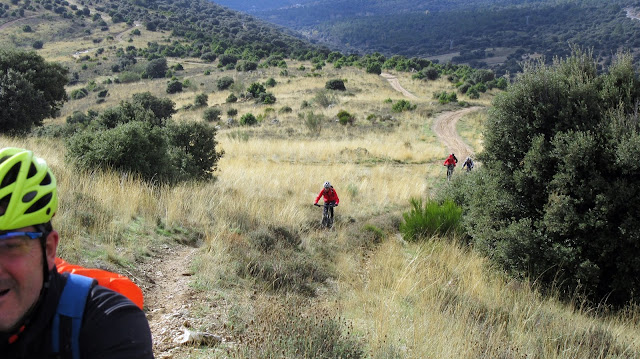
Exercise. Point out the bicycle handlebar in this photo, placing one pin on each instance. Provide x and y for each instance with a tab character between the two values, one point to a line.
326	204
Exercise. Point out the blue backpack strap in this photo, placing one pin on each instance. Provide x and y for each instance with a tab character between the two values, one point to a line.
71	304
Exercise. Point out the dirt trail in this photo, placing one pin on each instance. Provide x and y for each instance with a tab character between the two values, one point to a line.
393	81
169	297
444	127
5	25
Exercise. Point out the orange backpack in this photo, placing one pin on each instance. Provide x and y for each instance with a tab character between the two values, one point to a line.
113	281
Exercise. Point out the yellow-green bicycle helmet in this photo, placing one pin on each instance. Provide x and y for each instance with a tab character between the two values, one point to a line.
27	189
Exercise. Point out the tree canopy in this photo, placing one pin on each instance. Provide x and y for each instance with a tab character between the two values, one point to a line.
558	198
30	90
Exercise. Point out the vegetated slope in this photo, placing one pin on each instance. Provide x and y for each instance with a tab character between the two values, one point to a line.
207	27
468	30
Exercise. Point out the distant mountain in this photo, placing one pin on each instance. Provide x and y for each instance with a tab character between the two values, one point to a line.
485	33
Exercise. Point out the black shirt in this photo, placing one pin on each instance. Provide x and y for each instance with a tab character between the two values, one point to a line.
112	327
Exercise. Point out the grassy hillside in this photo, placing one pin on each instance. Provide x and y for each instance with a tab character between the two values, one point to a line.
265	277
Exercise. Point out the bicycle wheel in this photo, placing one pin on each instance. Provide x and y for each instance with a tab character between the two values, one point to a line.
325	217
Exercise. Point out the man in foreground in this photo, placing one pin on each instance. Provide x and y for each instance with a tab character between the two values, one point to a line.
31	322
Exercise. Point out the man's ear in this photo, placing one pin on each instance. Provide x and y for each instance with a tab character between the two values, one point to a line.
51	246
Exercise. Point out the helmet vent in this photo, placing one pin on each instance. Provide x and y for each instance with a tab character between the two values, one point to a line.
11	176
46	180
40	204
4	202
29	196
4	158
32	171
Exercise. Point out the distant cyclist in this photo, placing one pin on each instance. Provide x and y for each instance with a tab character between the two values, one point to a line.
450	162
468	163
329	196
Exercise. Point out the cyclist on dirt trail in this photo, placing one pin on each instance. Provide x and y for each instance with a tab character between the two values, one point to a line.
450	162
329	196
468	163
31	288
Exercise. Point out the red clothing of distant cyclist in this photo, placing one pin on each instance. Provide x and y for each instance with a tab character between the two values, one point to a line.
329	195
451	160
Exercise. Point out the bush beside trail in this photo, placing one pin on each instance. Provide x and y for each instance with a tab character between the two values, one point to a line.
557	197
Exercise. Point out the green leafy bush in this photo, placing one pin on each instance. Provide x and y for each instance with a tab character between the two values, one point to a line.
201	100
79	93
255	89
126	77
432	219
345	118
156	68
130	138
248	119
231	98
271	82
335	84
403	105
560	194
224	82
174	86
136	147
212	114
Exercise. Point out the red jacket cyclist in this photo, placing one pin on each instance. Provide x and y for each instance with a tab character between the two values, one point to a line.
329	196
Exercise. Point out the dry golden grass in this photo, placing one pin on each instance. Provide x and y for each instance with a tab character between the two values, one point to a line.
436	300
406	300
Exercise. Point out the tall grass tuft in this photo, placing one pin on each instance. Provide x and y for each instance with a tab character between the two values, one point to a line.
433	219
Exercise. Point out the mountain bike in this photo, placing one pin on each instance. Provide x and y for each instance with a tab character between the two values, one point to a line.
327	220
450	171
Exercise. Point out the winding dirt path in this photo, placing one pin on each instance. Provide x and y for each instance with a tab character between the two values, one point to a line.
169	299
393	81
444	127
7	24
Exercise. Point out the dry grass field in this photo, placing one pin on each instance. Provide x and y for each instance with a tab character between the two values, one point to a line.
383	297
266	278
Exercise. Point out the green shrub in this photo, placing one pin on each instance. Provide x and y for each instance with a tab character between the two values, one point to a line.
444	97
560	194
79	93
345	118
135	147
38	44
335	84
285	109
208	56
255	89
212	114
201	100
403	105
374	68
271	82
224	82
266	98
232	112
126	77
174	86
156	68
433	219
231	98
192	150
246	66
248	119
